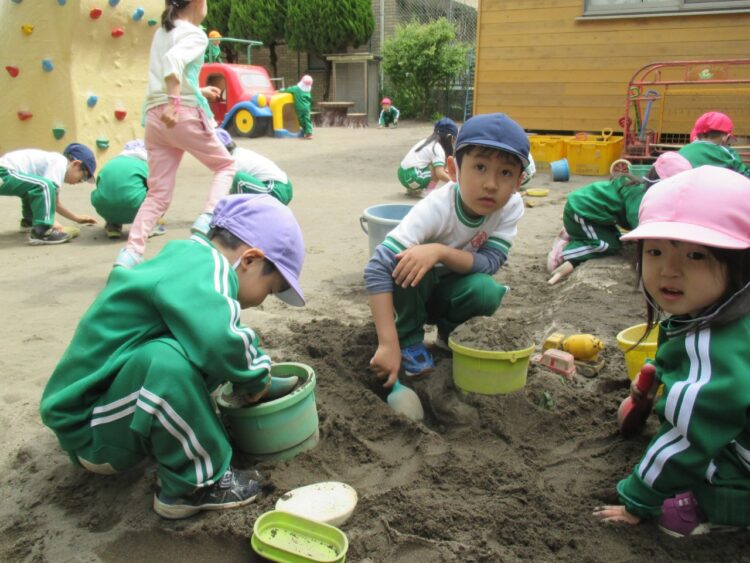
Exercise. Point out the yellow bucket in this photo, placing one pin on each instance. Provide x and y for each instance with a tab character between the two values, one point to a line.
636	356
487	372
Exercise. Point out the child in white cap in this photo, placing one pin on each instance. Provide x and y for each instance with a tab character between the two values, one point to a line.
302	104
136	378
594	214
694	262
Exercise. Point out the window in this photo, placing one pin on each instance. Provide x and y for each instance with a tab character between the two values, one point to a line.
314	62
645	7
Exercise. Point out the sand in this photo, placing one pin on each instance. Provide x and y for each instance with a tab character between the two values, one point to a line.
483	478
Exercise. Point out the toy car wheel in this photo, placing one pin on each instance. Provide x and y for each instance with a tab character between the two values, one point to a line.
619	167
245	124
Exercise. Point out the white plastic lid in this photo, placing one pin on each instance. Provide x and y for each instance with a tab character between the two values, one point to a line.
329	502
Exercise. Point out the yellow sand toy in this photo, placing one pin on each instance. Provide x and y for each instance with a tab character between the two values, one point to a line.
584	348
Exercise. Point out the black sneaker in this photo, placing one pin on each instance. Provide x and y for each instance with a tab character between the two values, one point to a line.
40	235
235	489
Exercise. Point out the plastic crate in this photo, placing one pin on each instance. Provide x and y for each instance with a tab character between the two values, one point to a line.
592	155
546	149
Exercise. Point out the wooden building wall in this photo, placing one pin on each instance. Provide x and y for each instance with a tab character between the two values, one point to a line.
550	69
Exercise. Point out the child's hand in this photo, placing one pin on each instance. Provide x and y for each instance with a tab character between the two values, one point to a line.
85	220
615	513
169	116
212	93
385	363
414	263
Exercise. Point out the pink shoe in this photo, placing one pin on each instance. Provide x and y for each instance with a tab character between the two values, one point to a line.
681	516
555	257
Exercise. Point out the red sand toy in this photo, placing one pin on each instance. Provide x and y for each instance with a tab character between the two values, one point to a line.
632	414
558	361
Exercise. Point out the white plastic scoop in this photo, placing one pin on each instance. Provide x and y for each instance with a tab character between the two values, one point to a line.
405	401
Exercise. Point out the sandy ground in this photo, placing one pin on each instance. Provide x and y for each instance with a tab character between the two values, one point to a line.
484	478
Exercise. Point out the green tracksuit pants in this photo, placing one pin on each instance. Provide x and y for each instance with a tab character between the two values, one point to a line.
305	122
159	405
588	240
445	299
245	183
38	195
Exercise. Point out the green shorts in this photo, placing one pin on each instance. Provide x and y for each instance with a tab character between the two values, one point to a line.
244	183
414	179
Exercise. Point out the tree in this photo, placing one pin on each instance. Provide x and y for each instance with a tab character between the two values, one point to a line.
262	20
419	60
328	26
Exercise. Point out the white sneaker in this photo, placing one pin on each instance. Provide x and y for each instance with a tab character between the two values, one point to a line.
127	259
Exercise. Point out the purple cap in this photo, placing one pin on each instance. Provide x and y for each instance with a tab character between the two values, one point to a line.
261	221
224	137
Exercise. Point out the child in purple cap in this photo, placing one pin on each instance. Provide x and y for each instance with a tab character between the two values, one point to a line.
694	264
437	265
37	177
136	378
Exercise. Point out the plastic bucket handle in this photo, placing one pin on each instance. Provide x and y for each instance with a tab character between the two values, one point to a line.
362	221
607	133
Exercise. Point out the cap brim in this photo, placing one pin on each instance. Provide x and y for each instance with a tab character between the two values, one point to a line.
292	296
685	232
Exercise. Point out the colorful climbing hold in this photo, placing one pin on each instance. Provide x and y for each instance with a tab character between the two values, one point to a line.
138	14
16	1
58	132
91	101
102	143
27	28
13	70
47	65
23	115
118	32
152	22
120	114
61	2
114	3
95	13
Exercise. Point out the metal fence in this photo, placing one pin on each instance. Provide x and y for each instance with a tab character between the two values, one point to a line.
456	101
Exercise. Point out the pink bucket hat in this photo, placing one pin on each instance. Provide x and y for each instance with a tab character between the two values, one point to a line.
307	80
706	205
671	163
711	121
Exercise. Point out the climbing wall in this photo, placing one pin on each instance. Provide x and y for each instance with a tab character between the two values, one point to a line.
74	71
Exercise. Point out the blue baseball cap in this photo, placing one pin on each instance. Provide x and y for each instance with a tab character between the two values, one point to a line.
497	131
77	151
263	222
446	125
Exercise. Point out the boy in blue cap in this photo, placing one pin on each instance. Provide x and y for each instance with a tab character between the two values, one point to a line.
36	176
136	378
436	266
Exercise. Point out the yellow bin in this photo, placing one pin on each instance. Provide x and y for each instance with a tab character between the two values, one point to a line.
592	155
546	149
636	356
487	372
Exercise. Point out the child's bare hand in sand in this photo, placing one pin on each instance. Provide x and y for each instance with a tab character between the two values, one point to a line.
414	263
615	513
385	363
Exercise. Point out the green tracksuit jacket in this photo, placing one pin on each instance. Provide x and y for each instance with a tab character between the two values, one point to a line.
120	189
186	293
302	107
700	153
703	443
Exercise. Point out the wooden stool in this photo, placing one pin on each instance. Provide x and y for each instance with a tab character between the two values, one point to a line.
356	120
315	118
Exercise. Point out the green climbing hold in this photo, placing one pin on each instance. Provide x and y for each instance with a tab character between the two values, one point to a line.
58	132
102	143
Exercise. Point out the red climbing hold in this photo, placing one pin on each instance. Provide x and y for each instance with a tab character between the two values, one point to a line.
120	114
95	13
24	115
118	32
12	70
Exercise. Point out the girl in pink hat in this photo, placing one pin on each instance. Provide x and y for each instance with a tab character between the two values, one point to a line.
709	143
389	114
594	214
694	265
302	104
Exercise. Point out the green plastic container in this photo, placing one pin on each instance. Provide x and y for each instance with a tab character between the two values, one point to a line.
280	536
488	372
278	429
640	170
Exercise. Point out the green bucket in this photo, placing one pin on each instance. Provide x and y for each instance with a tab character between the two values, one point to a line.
639	170
489	372
278	429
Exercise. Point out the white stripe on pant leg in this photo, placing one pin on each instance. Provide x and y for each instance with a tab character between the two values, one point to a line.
584	250
118	403
112	417
655	448
662	458
179	437
36	182
184	426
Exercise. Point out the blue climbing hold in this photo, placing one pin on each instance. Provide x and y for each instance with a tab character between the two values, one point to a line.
61	2
138	14
114	3
91	102
47	65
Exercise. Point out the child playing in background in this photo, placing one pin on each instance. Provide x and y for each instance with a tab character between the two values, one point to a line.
468	226
256	174
121	188
594	213
694	263
178	119
424	165
36	177
137	376
213	51
302	105
709	143
389	114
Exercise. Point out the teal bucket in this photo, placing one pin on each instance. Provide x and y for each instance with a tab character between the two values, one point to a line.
278	429
560	170
640	170
379	220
